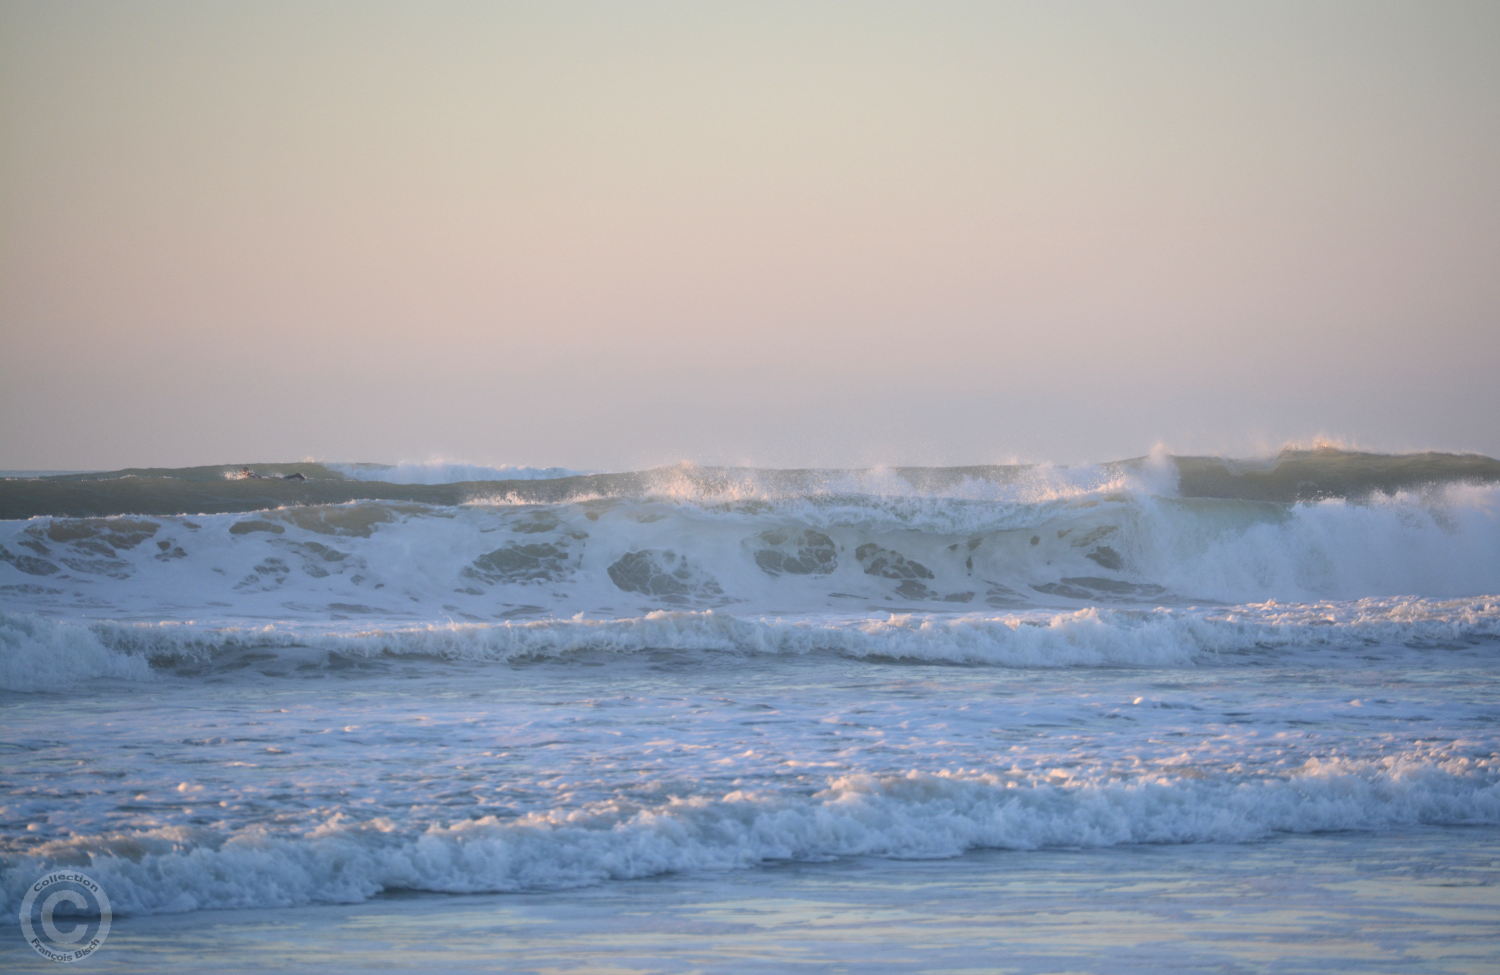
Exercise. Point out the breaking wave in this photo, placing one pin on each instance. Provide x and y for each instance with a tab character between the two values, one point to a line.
1151	562
42	654
503	559
913	815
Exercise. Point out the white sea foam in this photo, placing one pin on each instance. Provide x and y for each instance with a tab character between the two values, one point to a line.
911	815
44	655
883	487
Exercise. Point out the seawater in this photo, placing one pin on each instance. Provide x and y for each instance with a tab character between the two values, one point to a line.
573	682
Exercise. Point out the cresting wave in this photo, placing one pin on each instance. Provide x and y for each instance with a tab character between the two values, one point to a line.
42	655
911	815
845	555
1014	567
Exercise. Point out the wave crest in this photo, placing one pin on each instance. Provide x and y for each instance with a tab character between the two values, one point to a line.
916	814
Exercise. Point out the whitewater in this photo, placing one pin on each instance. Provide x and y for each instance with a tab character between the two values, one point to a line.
339	686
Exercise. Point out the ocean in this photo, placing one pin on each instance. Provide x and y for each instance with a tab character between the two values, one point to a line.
1163	714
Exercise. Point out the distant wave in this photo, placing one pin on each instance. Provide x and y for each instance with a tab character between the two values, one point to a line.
1291	476
445	472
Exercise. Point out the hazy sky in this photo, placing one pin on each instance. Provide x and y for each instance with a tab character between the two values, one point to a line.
625	233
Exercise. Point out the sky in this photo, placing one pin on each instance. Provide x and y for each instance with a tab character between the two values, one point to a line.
620	234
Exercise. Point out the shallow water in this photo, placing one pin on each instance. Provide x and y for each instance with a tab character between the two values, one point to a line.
1417	901
260	786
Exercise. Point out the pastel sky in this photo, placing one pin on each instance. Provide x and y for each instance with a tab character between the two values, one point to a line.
617	234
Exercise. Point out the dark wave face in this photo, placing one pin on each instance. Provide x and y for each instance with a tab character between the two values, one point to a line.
1291	476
